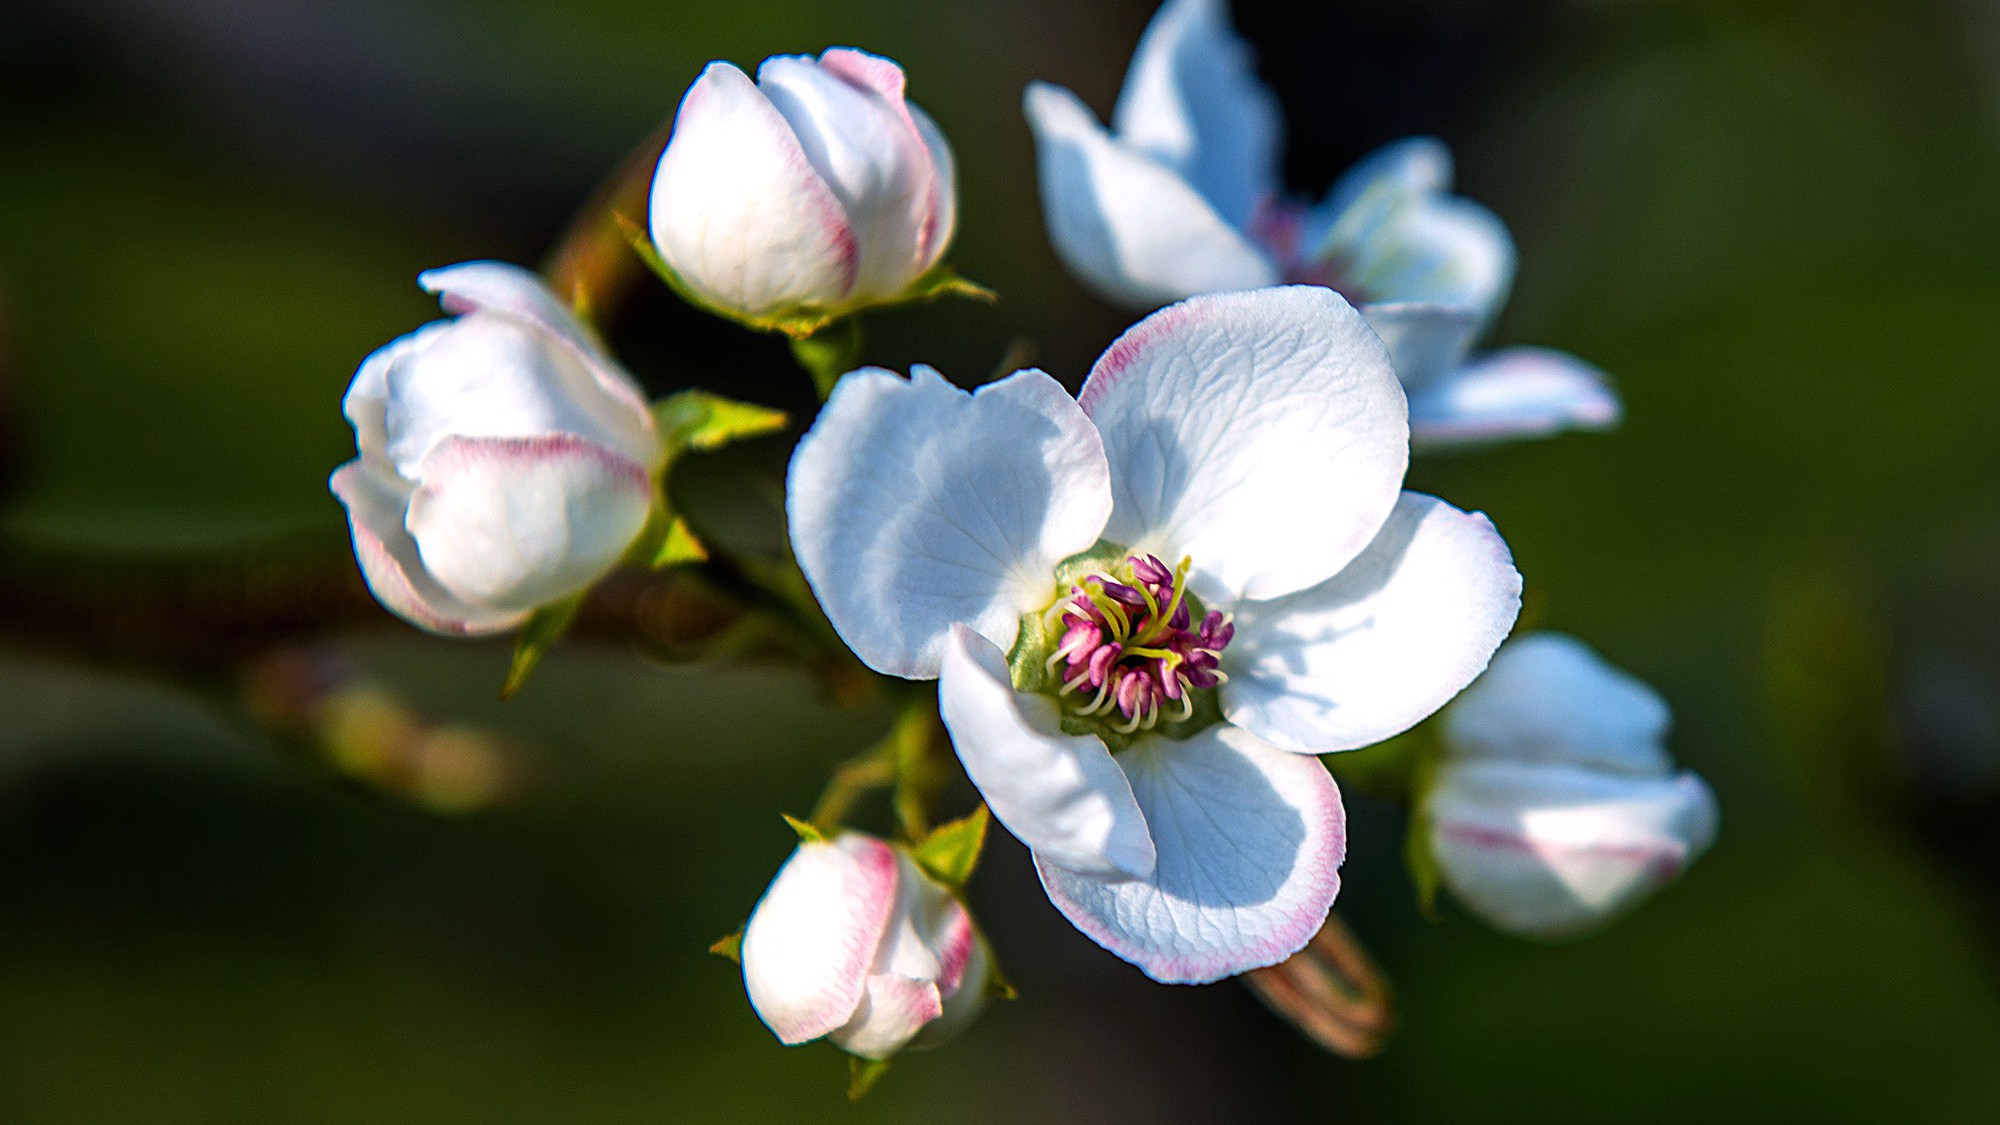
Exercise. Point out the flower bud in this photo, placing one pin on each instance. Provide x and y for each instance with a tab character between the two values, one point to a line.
506	461
1555	807
855	943
809	194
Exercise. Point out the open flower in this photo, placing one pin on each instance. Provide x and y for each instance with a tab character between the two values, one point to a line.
809	194
506	461
855	943
1150	605
1556	807
1184	198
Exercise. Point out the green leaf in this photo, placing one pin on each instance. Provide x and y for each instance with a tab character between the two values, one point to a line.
542	629
730	947
862	1074
807	833
950	852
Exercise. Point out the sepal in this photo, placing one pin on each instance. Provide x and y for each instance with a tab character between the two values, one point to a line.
951	852
543	628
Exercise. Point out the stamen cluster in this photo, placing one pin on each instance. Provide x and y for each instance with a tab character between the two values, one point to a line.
1132	644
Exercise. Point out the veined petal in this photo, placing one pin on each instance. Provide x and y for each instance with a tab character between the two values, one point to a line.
1513	393
1550	851
1250	843
516	523
1192	99
1548	698
1373	650
1129	226
813	938
1060	794
376	501
1261	433
914	505
1426	342
739	211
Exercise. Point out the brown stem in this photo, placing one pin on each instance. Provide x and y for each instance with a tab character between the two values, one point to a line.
1331	991
592	264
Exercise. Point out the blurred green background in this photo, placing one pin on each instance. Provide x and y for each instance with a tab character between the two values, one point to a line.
1777	224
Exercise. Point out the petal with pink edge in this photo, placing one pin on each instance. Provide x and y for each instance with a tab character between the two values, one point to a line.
376	501
1260	433
1372	651
1513	393
812	940
1250	843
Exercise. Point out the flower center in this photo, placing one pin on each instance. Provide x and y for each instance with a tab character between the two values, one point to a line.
1130	649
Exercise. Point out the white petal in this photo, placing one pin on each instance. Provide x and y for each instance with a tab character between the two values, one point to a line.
1127	225
1370	652
919	974
1411	166
738	210
1513	393
1060	794
1425	342
914	505
813	938
893	1009
1192	99
1548	698
1548	851
1250	843
943	222
1261	433
1390	228
376	502
517	523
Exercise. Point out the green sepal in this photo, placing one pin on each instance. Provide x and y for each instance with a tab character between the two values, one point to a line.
1418	855
698	421
729	946
998	987
951	852
943	281
862	1074
542	629
806	832
829	353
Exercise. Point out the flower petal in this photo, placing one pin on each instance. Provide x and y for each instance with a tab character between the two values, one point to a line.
1261	433
1548	698
1127	225
376	501
1381	645
1192	100
1513	393
1060	794
1390	228
914	505
893	1009
813	937
1250	843
517	523
1425	342
739	211
1410	166
1548	851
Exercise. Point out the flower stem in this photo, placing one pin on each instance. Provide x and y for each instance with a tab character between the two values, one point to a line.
829	353
593	266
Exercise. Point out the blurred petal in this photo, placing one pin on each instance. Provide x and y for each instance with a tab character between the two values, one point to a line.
1060	794
1513	393
1129	226
1193	101
1250	843
1387	641
1390	228
376	501
1261	433
1548	851
517	523
366	403
1548	698
739	211
914	505
1425	342
1410	166
813	938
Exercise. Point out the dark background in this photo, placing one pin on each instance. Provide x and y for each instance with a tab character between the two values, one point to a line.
1776	224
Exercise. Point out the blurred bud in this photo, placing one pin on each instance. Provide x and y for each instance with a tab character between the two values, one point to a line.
506	461
1555	806
809	194
855	943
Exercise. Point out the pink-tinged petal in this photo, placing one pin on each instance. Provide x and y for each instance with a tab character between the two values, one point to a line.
1551	851
1548	698
376	501
943	220
1192	100
811	943
937	215
965	999
1061	794
893	1010
739	211
517	523
1426	342
611	399
1261	433
1250	843
1372	651
1510	394
914	505
1127	225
